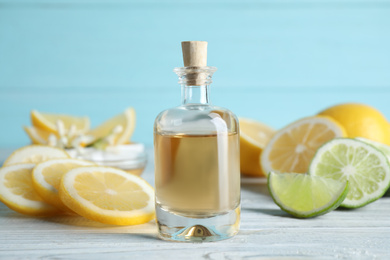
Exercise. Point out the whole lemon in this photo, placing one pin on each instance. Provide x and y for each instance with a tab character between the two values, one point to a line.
360	120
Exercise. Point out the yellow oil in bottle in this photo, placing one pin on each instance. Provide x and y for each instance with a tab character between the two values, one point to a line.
196	175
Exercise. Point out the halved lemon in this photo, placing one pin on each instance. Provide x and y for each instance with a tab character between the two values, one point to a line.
37	135
126	122
35	154
108	195
46	177
292	148
17	191
254	136
48	122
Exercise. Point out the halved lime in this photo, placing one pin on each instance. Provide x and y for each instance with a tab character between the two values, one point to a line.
306	196
384	149
365	167
380	146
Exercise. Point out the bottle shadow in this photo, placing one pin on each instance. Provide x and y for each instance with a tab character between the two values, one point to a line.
74	222
78	221
256	188
144	231
270	212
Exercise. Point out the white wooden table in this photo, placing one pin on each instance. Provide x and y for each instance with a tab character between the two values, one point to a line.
266	233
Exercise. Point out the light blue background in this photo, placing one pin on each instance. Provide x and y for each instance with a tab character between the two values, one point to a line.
277	60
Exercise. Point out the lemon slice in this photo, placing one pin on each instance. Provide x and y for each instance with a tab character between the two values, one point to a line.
292	148
365	167
306	196
47	175
35	154
254	136
48	122
17	191
37	135
108	195
126	123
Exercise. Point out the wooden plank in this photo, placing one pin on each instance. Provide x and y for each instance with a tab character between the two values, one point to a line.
266	233
273	45
276	106
89	58
178	3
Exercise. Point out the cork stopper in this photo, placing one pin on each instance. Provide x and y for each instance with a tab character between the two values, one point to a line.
195	63
194	53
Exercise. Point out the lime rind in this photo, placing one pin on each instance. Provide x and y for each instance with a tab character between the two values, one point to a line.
365	166
382	147
305	196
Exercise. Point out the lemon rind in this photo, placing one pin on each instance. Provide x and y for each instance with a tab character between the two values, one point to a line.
69	195
18	203
26	151
265	163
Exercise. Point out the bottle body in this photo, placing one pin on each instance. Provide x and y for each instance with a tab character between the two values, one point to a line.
197	162
197	167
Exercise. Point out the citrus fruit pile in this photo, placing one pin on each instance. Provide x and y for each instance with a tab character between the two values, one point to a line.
67	131
40	180
339	157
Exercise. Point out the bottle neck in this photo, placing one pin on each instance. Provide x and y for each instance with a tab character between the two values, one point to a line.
195	84
195	94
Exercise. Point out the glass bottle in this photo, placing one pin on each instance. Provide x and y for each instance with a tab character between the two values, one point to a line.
197	167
